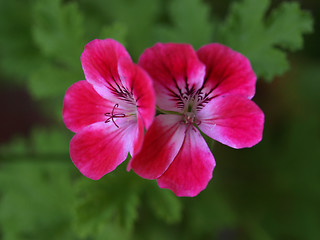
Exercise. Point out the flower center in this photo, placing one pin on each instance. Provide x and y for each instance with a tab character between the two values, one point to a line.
189	118
193	101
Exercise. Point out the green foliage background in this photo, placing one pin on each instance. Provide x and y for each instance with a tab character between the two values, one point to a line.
268	192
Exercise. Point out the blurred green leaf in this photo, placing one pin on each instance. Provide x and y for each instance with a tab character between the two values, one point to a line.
48	142
51	80
287	24
206	214
17	146
58	30
51	142
107	203
138	17
190	23
36	191
139	23
36	200
18	54
164	204
59	33
152	229
117	31
246	29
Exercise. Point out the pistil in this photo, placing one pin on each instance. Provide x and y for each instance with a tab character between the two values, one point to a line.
112	115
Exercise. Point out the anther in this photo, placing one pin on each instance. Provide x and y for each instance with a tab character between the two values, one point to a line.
189	117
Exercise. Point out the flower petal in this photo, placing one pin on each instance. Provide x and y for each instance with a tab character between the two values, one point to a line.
228	72
138	135
191	170
99	148
176	71
139	84
232	120
100	65
82	106
160	146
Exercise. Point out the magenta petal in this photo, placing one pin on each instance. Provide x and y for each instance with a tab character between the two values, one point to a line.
82	106
191	170
232	120
139	84
100	65
160	146
175	70
138	135
99	148
227	71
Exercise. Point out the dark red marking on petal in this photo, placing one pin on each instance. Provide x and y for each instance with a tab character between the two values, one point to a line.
99	62
176	71
136	79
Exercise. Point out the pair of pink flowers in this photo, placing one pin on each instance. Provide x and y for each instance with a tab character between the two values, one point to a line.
208	90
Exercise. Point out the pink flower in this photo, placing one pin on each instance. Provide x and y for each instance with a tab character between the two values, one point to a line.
109	110
207	90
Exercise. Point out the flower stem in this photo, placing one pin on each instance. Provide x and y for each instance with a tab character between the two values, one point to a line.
161	111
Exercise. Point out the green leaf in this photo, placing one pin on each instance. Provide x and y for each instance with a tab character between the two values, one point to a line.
287	23
249	31
36	192
51	80
17	146
117	31
36	200
42	142
58	30
164	204
18	54
108	203
138	17
50	142
205	213
139	23
190	20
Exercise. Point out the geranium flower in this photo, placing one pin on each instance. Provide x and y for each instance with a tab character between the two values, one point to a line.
109	110
208	90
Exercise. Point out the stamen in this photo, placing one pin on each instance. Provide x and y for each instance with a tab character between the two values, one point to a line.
112	115
190	118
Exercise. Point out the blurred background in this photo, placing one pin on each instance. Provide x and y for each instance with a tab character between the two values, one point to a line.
270	191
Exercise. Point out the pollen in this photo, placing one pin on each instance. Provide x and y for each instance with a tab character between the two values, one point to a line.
190	118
